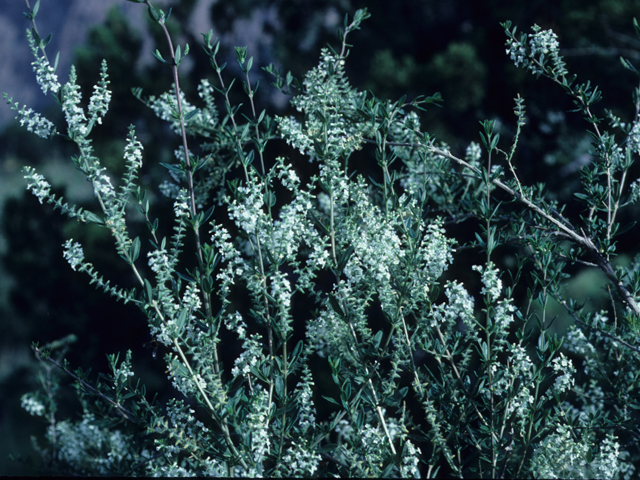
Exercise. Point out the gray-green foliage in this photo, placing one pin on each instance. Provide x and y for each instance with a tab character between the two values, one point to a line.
428	378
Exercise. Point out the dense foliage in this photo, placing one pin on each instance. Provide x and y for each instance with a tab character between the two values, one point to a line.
307	313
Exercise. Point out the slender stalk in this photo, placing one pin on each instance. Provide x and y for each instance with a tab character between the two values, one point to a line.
189	172
257	246
35	29
207	301
488	314
127	414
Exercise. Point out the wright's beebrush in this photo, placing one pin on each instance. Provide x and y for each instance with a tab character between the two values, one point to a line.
429	379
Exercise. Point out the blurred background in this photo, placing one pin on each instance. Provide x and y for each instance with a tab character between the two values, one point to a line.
410	47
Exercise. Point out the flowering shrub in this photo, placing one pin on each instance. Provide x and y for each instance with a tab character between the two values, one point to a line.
428	378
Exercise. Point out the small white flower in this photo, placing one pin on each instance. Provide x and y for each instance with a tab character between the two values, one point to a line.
181	205
36	123
73	253
45	75
99	102
563	366
158	260
473	153
102	186
37	184
191	298
32	405
492	283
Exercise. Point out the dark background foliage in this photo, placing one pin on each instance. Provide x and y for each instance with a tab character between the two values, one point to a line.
410	47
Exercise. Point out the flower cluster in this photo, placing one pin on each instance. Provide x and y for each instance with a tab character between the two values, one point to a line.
35	122
257	427
91	448
158	261
542	45
181	207
491	281
124	370
248	213
328	102
416	377
635	191
410	461
561	455
37	184
45	74
459	306
563	366
99	102
32	404
517	52
133	152
228	253
249	358
191	297
102	187
73	112
543	42
473	153
73	253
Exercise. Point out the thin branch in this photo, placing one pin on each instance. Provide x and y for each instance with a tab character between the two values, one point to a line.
127	414
581	322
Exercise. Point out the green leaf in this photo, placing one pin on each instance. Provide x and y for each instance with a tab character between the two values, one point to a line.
494	142
182	318
336	305
153	14
158	55
279	387
397	397
134	250
186	278
627	64
377	339
318	223
179	368
207	215
93	218
295	355
484	140
345	395
330	400
344	258
173	168
191	114
269	198
36	37
542	343
248	158
149	290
